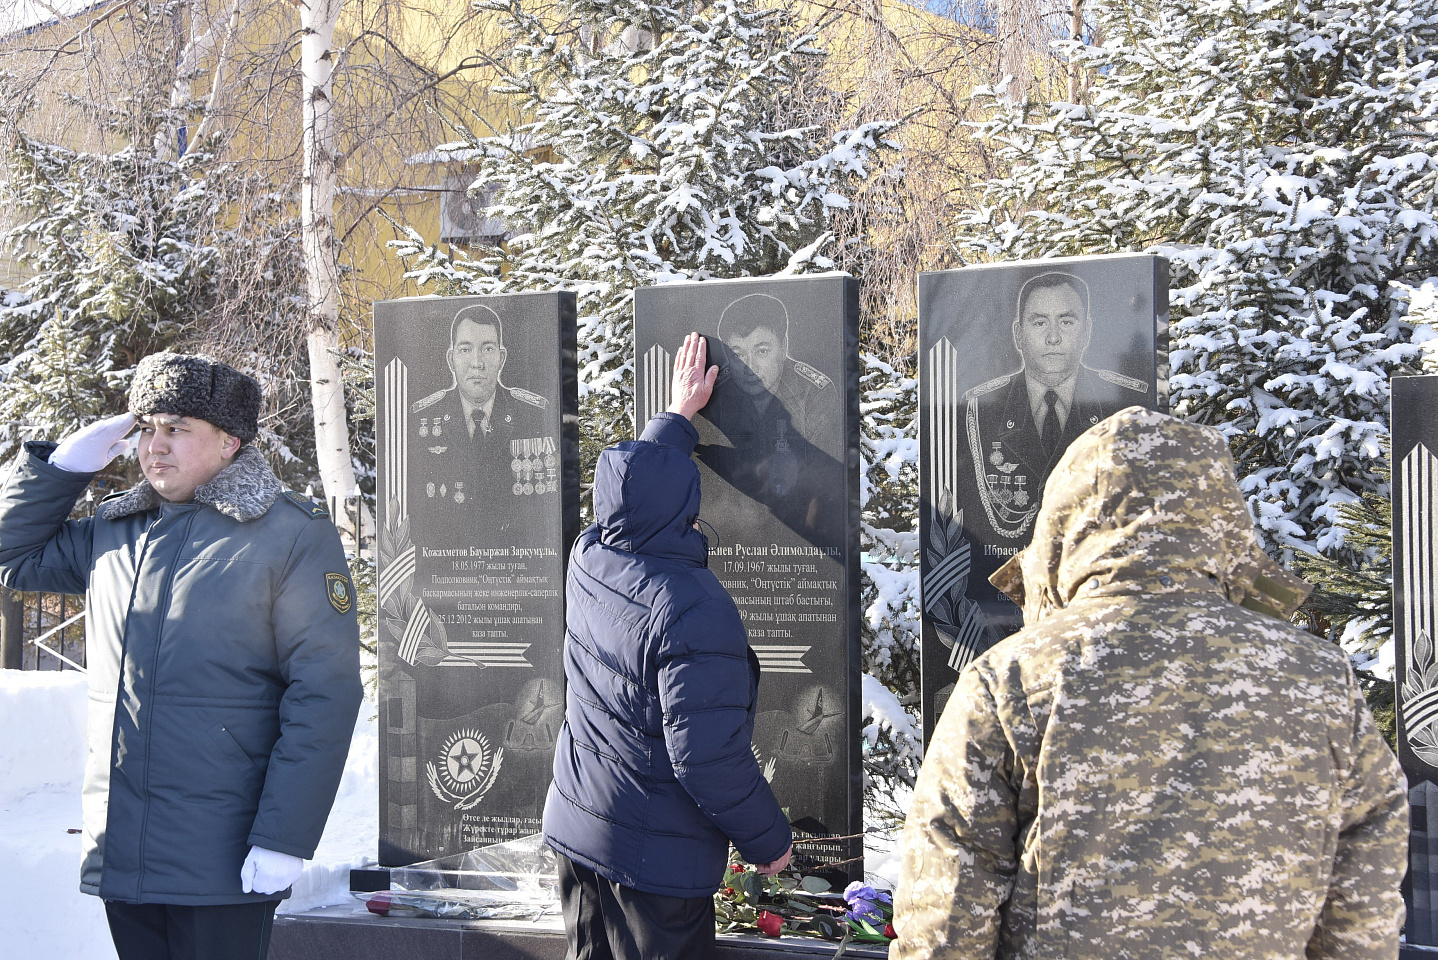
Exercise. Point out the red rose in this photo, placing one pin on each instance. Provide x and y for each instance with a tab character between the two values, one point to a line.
889	931
378	904
770	924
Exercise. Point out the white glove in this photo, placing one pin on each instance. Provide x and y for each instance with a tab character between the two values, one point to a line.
90	449
266	871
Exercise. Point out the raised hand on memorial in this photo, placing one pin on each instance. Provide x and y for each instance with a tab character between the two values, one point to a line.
693	383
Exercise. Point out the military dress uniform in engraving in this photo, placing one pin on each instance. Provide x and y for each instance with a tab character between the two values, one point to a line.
463	463
1158	764
1017	425
766	407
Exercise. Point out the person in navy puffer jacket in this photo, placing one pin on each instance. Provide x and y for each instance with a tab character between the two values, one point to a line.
654	776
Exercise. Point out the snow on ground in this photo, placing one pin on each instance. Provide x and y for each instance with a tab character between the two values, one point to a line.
42	911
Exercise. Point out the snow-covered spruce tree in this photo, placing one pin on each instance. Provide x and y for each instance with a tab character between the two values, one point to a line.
656	148
126	253
890	630
669	142
113	251
1282	155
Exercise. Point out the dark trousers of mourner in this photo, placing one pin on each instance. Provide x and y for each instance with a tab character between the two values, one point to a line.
604	920
162	931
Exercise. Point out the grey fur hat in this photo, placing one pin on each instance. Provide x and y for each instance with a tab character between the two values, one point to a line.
197	386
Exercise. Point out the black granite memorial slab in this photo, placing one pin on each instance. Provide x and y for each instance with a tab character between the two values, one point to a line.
1414	420
478	460
778	458
1017	360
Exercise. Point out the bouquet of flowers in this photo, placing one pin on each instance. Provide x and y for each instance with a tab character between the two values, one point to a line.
802	906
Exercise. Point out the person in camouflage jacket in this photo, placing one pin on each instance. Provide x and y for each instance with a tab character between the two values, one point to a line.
1158	764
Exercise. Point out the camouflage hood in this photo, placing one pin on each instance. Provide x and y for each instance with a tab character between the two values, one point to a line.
1143	501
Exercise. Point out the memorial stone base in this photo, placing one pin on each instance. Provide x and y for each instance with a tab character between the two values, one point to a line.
350	933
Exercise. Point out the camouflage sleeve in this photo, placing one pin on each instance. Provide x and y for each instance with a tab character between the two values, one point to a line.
1364	909
958	848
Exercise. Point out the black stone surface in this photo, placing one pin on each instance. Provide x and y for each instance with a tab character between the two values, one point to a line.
475	532
779	458
1414	419
333	934
983	458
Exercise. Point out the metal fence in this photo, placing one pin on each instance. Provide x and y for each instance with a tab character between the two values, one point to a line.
42	631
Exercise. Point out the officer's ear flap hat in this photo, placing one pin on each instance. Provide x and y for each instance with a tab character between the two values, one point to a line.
187	385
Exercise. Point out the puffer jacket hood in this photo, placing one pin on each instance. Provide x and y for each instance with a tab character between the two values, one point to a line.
637	515
1145	501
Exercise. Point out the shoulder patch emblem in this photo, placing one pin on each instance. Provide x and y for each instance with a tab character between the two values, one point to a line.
525	396
1120	380
989	386
809	373
423	402
306	504
339	592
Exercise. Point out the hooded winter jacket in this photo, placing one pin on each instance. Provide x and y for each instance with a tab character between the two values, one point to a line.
223	659
653	772
1156	765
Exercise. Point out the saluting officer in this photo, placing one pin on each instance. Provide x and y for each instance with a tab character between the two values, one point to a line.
479	442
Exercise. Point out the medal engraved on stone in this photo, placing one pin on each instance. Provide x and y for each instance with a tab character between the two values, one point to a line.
443	492
435	429
528	488
518	488
424	426
459	491
429	489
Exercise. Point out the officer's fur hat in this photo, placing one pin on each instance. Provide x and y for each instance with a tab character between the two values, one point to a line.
197	386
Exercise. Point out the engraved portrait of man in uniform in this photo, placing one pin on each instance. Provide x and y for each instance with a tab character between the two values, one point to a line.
478	440
1018	360
1018	424
778	415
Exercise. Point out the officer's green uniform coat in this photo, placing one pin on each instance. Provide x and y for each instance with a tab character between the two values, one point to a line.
1151	768
223	658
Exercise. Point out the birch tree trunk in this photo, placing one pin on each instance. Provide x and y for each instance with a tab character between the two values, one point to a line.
318	18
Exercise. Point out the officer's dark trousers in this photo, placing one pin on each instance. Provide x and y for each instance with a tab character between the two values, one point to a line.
161	931
606	921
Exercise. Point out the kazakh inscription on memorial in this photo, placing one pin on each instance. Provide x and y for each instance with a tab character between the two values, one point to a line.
478	483
778	461
1017	360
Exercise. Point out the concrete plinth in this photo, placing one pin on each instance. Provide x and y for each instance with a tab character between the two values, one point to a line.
349	933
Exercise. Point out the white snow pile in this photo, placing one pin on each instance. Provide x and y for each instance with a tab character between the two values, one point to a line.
42	911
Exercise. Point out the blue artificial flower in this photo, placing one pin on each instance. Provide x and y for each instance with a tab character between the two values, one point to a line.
864	902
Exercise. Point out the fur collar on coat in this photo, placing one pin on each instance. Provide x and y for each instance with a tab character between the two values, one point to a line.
244	491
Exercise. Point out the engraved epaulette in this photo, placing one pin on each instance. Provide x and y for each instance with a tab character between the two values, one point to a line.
312	509
433	398
1120	380
524	396
809	373
989	386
